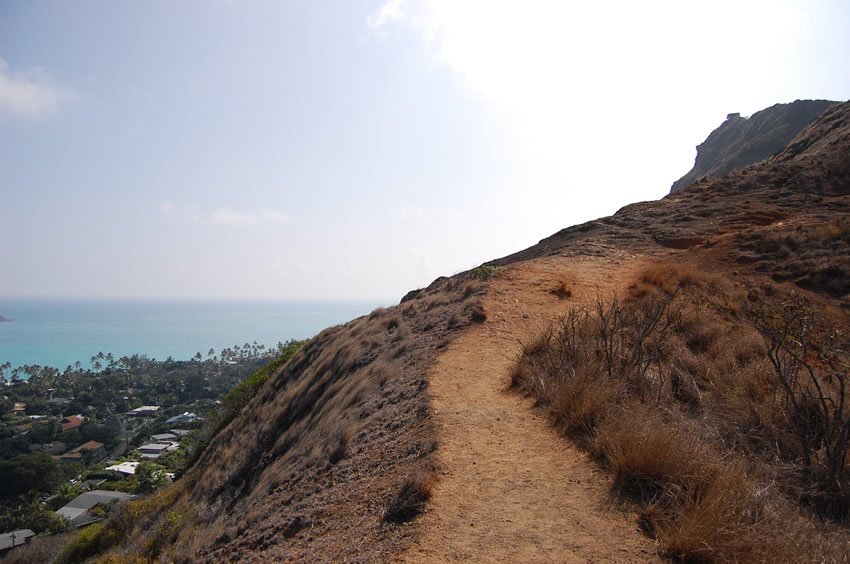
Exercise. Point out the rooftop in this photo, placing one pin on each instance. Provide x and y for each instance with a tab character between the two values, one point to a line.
14	538
145	409
77	510
91	445
156	447
71	422
124	467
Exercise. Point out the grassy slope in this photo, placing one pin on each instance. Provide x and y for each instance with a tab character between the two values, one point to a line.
329	460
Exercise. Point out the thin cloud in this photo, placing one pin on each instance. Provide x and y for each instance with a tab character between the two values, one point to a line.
30	94
391	11
563	75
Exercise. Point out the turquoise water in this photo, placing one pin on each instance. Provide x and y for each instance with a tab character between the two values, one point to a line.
59	332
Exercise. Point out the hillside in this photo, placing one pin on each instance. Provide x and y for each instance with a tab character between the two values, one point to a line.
740	141
669	396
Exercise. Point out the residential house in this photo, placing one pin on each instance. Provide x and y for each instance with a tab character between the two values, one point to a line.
127	468
155	450
86	452
29	425
144	411
78	510
12	539
71	422
184	417
59	401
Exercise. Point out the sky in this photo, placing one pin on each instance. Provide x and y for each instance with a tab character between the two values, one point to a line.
359	149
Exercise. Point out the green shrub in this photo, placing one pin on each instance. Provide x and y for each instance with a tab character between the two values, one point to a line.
89	542
239	397
487	271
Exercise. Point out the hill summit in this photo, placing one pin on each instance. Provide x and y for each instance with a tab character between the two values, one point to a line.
741	141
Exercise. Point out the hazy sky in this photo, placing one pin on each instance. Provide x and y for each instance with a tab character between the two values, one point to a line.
359	149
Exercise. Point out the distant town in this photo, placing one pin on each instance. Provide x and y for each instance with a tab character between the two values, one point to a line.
75	443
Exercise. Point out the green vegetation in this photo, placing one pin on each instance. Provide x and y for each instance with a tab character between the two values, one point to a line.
156	512
242	392
487	271
239	397
88	542
29	512
34	482
28	472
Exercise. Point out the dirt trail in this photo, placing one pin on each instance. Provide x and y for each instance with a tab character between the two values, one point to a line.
511	489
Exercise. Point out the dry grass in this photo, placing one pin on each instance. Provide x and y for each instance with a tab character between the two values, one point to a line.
815	257
411	498
314	464
648	455
671	389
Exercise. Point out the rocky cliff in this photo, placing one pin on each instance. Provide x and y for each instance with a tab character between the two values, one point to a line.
741	141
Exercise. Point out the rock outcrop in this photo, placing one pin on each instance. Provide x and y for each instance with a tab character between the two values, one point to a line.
740	141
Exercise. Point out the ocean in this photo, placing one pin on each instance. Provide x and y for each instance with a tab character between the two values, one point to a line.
61	331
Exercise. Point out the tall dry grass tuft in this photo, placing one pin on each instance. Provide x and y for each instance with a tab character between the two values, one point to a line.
410	499
648	455
725	430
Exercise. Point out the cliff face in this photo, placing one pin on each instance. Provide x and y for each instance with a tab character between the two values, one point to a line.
740	142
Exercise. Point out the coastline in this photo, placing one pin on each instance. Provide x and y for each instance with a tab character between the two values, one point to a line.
61	332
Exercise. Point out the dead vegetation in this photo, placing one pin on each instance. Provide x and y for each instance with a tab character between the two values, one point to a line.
815	257
562	291
721	412
410	500
329	458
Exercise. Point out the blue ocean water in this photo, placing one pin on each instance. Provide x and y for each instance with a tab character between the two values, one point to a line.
60	331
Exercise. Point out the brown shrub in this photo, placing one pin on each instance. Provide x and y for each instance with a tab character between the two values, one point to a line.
340	449
673	391
815	257
562	291
670	277
477	314
410	499
718	523
472	289
647	454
